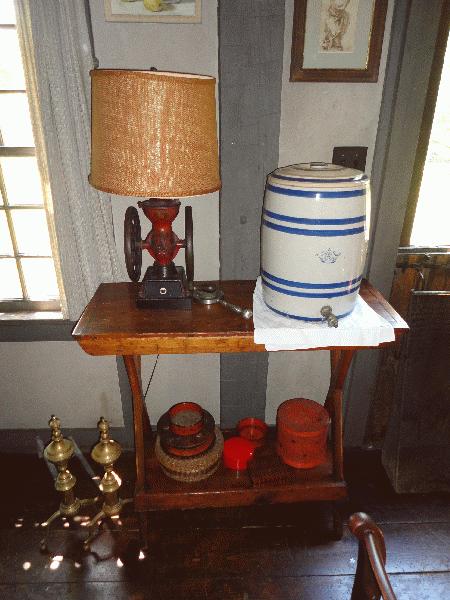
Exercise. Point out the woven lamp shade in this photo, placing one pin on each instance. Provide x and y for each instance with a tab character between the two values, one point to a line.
154	134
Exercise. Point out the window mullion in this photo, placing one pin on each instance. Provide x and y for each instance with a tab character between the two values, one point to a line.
16	255
12	233
13	151
23	207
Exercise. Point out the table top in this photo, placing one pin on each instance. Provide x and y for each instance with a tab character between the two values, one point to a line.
112	324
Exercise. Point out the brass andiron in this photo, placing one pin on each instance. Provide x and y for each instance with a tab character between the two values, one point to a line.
59	451
106	453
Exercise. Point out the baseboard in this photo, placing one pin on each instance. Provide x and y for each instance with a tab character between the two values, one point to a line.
26	441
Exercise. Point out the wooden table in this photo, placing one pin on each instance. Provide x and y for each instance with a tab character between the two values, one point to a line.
112	325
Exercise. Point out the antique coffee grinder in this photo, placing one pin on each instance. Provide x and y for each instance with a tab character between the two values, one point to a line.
164	284
154	135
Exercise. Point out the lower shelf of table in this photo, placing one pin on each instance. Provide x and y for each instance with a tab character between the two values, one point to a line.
268	480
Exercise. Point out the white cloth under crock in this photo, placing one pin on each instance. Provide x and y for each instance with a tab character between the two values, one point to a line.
363	327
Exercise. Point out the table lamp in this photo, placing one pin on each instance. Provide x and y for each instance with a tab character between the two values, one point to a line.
154	134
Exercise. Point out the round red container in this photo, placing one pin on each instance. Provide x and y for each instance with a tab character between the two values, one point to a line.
186	418
302	427
195	450
253	429
237	452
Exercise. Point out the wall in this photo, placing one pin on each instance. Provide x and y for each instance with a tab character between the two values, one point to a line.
190	48
40	378
251	41
308	131
315	117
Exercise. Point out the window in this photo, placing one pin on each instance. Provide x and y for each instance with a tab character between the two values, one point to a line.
27	272
428	209
432	217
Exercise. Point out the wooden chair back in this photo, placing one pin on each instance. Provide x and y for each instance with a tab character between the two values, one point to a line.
371	580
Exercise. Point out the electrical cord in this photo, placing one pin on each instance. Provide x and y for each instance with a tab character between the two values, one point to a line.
151	376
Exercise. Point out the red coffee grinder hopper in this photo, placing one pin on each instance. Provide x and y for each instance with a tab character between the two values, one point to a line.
164	285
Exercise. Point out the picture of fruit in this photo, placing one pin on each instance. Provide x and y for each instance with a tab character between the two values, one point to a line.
154	11
153	5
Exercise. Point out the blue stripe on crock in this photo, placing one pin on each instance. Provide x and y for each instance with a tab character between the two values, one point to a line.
311	286
319	195
301	318
304	221
275	288
314	232
324	180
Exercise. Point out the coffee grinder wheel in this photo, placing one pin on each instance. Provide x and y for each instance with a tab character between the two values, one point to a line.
189	246
132	243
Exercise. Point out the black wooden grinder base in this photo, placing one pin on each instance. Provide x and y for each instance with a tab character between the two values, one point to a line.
166	293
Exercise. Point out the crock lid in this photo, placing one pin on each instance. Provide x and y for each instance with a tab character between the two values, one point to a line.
318	171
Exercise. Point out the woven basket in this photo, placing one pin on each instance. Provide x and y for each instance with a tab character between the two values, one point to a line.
191	469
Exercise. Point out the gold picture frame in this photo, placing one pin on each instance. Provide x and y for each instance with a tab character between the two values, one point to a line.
177	11
337	40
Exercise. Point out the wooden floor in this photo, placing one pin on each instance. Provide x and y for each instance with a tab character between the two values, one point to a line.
277	552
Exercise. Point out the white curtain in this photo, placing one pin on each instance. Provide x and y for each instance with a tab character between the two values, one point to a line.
58	53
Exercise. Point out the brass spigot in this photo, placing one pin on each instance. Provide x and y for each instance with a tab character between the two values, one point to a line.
327	314
59	451
106	453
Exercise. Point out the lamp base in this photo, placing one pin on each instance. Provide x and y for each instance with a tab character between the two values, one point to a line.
166	289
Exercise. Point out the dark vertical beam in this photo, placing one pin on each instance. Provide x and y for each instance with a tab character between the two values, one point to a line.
251	41
362	378
415	25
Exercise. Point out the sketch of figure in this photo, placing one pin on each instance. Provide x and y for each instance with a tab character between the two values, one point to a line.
336	20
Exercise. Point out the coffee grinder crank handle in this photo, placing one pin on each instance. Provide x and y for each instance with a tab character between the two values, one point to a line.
246	313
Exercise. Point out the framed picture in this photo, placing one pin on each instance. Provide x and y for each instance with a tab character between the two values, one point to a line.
337	40
154	11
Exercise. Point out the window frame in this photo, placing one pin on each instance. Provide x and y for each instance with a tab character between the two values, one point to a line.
425	132
24	304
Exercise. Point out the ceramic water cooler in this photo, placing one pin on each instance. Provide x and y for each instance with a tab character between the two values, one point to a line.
314	235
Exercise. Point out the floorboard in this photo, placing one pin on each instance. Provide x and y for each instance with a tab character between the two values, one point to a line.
406	586
264	552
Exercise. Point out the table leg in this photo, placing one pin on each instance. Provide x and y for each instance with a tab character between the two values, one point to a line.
340	364
334	359
145	417
337	435
143	530
139	411
141	429
147	426
338	523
